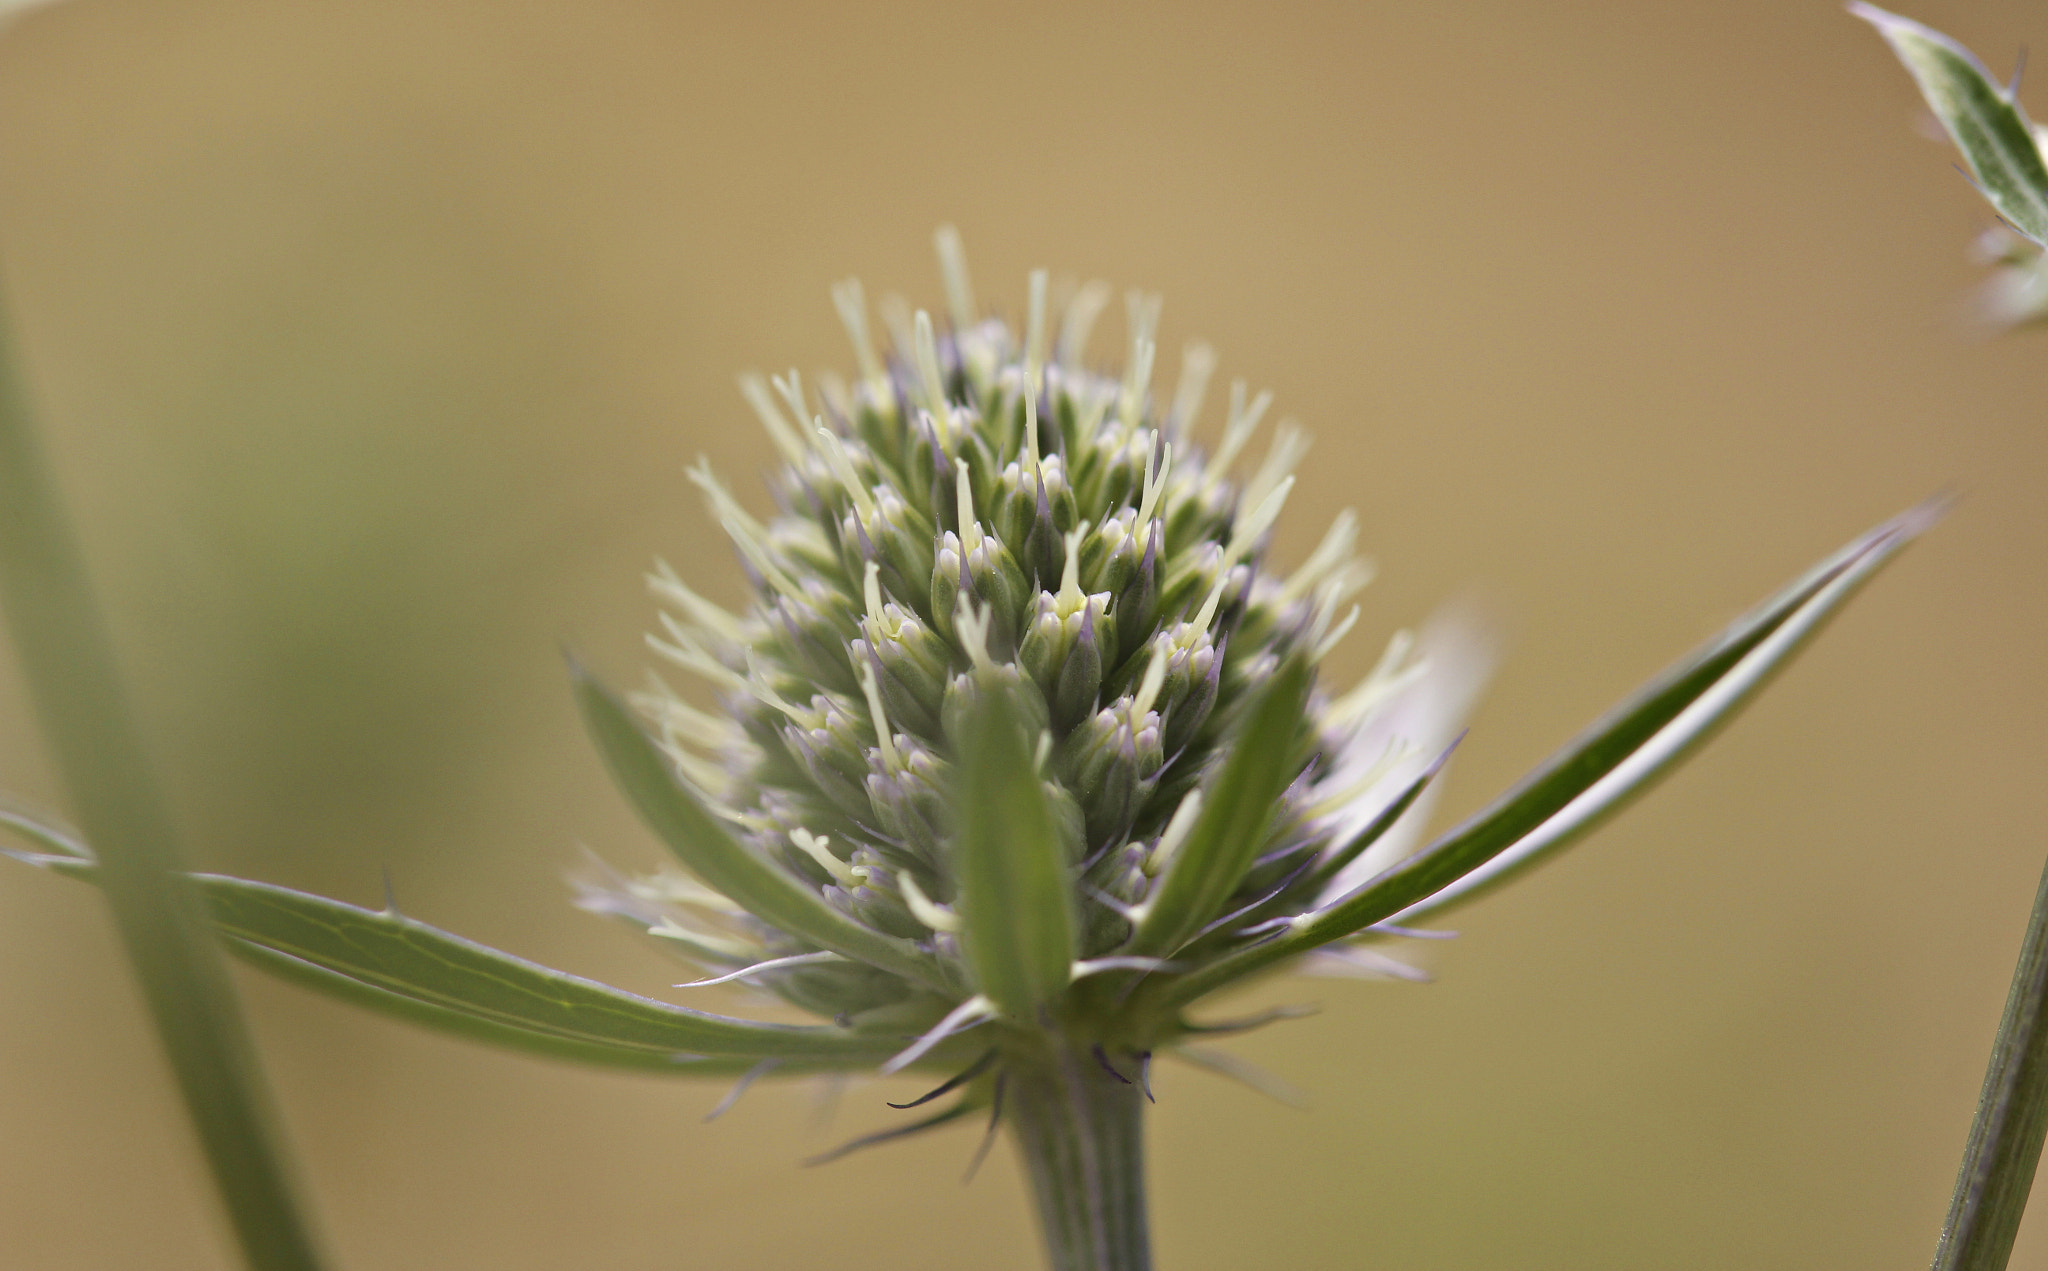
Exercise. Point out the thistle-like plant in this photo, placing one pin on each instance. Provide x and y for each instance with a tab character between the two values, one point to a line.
1020	755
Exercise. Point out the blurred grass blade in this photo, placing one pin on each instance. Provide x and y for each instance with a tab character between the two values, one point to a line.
761	887
2012	1112
1016	900
1600	771
1229	830
1981	116
405	967
68	662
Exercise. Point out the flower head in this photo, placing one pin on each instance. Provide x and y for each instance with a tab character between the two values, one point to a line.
1020	706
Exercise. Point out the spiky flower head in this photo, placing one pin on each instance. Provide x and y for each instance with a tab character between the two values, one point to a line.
1020	717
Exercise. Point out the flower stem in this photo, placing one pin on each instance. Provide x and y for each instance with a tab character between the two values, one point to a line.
1080	1129
68	661
2012	1113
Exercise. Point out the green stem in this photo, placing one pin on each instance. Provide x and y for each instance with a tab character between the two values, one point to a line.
2012	1113
69	663
1081	1133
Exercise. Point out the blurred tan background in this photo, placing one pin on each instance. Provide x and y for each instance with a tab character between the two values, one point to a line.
373	338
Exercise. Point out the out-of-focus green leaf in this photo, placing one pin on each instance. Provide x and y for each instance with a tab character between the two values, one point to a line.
1597	773
1980	114
761	887
419	972
1229	829
1997	1172
1016	900
67	663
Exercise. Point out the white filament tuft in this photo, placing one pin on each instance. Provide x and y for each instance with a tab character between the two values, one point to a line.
953	270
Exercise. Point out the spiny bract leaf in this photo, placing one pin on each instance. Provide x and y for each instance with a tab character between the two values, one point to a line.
1228	831
1016	898
703	845
1982	116
1597	773
419	972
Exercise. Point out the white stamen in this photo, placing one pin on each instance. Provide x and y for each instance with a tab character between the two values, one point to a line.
1386	678
1148	688
790	388
816	847
741	1086
971	622
664	583
1207	613
880	717
1071	596
688	653
795	959
1347	962
1095	966
833	390
1142	317
895	311
1333	551
713	732
852	304
760	690
1034	330
1079	320
1289	445
1175	834
706	777
871	589
671	888
1344	583
963	497
921	907
1155	483
973	1011
1244	420
833	447
1130	400
1141	314
1398	647
1250	528
756	553
1043	752
927	348
1093	408
1031	423
723	505
1330	641
1197	364
701	942
1375	690
1335	801
755	390
1243	1071
953	268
